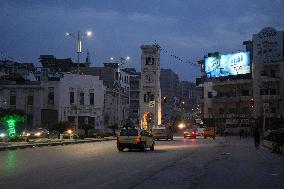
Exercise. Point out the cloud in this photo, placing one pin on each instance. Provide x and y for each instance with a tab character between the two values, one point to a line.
141	17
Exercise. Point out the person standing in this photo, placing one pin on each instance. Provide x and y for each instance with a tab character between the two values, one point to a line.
256	136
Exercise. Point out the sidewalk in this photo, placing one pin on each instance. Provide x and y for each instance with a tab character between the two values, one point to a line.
49	142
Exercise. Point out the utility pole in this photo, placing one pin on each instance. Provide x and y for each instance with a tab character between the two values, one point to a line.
79	50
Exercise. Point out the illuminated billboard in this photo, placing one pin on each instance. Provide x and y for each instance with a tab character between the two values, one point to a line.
225	65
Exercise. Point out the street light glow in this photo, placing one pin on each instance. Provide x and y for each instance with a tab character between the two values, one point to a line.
68	34
181	126
127	58
88	33
111	58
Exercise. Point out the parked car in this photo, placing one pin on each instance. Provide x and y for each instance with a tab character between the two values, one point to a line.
209	132
133	138
35	133
3	135
189	133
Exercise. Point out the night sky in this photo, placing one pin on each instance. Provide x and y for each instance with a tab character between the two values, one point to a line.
188	29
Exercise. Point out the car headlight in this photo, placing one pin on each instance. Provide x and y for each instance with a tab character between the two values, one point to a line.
28	134
2	135
38	134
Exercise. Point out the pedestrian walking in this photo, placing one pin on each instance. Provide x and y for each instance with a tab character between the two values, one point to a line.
256	136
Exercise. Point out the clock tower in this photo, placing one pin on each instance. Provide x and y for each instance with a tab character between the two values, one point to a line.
150	90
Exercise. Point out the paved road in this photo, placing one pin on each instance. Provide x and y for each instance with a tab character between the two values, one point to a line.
183	163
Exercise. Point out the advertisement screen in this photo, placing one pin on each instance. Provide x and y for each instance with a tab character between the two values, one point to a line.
230	64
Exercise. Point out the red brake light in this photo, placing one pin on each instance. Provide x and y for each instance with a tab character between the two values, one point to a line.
192	132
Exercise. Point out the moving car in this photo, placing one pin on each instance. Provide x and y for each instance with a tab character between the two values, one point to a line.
161	132
200	131
190	133
133	138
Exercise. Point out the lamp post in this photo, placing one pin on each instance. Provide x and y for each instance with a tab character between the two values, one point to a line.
79	39
122	61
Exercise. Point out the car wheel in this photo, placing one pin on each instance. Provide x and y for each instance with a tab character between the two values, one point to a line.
172	138
120	148
152	147
167	138
143	147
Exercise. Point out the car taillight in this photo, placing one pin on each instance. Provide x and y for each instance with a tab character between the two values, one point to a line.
184	132
192	132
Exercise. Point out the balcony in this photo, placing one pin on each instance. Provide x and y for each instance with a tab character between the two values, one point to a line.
265	78
270	97
232	82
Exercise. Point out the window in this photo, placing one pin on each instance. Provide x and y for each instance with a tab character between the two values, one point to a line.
92	98
273	92
245	92
209	94
13	100
71	97
81	99
50	95
30	100
272	73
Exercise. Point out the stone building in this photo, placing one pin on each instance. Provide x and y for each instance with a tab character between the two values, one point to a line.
268	78
117	97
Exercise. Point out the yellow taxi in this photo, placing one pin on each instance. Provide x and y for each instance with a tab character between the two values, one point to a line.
133	138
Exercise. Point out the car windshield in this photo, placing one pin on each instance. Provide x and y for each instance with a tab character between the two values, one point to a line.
191	130
129	132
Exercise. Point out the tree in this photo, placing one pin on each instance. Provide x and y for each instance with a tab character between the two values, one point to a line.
62	126
11	118
87	127
113	127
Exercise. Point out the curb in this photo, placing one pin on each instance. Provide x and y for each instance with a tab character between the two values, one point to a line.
32	145
268	144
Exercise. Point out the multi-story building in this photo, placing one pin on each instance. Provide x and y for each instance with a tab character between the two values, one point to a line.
61	97
76	98
226	99
189	95
134	94
169	82
117	94
268	78
252	99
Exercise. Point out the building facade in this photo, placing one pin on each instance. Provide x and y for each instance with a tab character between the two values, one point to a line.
134	82
169	81
117	97
268	78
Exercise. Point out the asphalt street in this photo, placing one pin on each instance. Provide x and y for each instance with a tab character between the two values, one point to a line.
227	162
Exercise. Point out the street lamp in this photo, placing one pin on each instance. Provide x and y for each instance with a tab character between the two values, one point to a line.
122	61
79	39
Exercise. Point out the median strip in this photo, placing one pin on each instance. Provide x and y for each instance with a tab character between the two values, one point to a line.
31	144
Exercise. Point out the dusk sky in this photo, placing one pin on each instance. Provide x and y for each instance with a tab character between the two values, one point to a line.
188	29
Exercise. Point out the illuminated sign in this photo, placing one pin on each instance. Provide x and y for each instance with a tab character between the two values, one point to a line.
225	65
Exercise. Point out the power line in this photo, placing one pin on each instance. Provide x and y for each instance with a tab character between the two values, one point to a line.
172	55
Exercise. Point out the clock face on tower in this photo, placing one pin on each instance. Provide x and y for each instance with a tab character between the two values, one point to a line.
149	78
150	61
